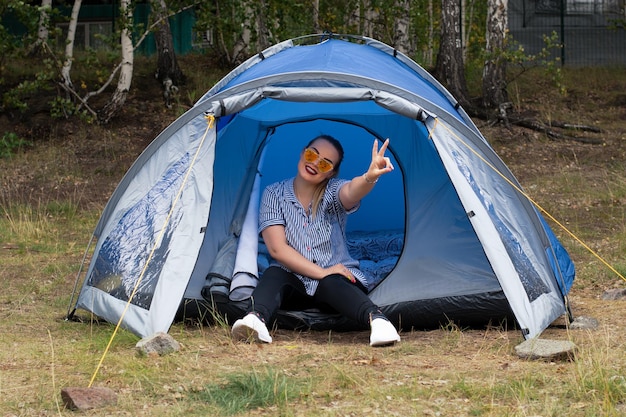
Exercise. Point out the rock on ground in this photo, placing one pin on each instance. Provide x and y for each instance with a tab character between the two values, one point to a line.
158	344
582	322
88	398
615	294
546	349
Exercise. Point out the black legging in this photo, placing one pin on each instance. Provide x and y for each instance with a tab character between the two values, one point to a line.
277	285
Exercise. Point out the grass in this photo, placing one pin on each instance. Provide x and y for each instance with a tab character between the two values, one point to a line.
252	390
50	201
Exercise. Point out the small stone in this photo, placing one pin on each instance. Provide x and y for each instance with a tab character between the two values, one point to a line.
581	323
159	343
616	294
546	349
88	398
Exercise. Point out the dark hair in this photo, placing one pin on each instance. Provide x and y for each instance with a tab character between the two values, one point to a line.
336	144
321	188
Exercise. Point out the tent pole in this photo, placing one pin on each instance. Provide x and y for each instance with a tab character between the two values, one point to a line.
70	311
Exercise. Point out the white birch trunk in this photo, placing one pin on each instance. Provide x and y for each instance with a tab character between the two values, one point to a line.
69	45
44	20
468	18
126	71
402	40
494	70
242	45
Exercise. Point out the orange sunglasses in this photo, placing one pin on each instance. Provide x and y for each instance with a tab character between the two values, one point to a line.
323	165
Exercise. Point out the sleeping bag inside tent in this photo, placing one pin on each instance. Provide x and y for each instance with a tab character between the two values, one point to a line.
447	236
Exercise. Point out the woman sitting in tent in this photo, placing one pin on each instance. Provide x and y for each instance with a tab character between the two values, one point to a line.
302	221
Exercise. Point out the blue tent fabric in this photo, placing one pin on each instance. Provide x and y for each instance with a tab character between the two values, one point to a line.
448	236
335	57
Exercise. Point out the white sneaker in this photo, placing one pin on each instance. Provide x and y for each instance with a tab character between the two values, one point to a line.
383	333
251	327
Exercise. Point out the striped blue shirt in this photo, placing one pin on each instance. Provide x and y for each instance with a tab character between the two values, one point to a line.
322	239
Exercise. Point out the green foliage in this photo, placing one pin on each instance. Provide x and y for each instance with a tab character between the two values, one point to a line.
34	80
22	12
64	108
291	19
11	143
287	19
617	24
248	391
545	58
241	28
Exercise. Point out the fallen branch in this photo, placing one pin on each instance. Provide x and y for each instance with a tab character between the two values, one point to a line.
584	128
502	116
551	133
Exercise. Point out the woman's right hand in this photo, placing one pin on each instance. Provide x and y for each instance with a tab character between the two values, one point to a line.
341	270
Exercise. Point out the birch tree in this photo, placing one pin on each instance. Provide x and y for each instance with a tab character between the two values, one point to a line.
69	46
402	24
494	86
256	25
241	48
370	15
449	68
262	24
316	16
168	71
428	56
44	22
126	70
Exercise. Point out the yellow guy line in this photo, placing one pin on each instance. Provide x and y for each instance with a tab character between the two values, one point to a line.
529	198
210	121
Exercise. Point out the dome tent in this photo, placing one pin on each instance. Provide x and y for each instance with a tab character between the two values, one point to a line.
448	236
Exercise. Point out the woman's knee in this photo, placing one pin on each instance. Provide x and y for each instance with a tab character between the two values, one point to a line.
332	281
335	281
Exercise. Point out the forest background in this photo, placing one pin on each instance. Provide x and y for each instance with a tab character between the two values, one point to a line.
450	37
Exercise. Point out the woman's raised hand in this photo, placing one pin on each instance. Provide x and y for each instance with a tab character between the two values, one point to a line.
380	164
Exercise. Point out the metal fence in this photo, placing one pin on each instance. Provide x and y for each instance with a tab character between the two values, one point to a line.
592	32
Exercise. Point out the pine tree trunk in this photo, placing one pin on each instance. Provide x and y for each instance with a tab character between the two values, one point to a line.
449	68
494	71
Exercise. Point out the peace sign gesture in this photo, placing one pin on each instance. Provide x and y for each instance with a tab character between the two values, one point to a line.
380	164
